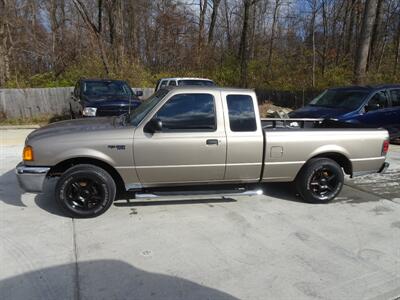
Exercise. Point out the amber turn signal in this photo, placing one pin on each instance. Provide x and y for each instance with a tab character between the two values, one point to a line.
27	154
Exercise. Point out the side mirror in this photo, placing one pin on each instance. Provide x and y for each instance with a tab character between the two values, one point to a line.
139	93
372	107
153	126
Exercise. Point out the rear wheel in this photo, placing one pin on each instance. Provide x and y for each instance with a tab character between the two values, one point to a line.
320	180
85	191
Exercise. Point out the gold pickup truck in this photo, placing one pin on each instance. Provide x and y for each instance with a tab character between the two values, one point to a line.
193	141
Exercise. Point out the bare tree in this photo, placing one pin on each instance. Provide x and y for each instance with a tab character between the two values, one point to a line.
5	48
361	59
272	38
94	30
214	14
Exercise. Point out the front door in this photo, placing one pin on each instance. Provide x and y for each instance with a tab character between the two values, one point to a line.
395	112
377	111
191	146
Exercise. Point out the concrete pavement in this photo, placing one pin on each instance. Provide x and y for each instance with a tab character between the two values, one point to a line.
264	247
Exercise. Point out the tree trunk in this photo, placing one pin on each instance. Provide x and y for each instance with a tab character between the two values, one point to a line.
243	44
228	28
203	10
375	32
314	50
214	15
397	49
4	48
364	43
350	30
271	40
325	32
95	31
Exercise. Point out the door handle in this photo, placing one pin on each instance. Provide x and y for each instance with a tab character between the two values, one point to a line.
212	142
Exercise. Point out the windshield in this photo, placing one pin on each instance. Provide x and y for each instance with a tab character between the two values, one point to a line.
139	113
196	82
106	88
344	99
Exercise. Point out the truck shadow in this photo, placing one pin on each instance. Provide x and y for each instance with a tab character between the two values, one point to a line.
46	200
10	192
103	279
282	190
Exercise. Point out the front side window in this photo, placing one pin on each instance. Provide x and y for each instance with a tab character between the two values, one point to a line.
143	109
378	101
241	113
172	83
395	94
188	112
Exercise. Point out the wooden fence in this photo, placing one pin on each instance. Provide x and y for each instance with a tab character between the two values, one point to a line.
30	103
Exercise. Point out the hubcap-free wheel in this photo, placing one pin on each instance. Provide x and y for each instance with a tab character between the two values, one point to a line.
85	191
84	194
324	183
320	180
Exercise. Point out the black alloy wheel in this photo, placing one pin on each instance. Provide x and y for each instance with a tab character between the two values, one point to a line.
320	180
85	191
324	182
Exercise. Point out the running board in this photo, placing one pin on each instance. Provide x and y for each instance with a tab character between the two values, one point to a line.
217	193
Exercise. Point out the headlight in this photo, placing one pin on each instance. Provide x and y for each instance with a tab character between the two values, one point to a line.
27	154
89	111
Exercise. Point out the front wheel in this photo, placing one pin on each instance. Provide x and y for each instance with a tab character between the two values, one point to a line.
320	180
85	191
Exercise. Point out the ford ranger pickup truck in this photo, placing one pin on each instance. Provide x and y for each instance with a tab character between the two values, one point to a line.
193	141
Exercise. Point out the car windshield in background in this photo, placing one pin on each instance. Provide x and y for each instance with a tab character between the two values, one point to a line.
106	88
143	109
344	99
195	82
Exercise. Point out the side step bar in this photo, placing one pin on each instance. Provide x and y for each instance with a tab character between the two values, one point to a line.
208	193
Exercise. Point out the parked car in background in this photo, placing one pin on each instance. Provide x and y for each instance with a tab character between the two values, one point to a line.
103	97
183	81
361	106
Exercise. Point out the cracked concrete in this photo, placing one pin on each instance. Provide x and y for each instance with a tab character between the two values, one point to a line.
264	247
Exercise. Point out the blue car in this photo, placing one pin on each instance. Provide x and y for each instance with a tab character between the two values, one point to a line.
369	106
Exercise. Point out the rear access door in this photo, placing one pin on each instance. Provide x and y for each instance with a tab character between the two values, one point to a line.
191	146
245	136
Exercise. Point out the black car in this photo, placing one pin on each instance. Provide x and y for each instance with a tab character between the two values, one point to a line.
101	97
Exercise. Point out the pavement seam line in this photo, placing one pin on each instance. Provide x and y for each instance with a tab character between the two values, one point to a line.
356	187
77	284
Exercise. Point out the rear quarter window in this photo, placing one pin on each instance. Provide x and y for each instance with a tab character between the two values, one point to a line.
241	113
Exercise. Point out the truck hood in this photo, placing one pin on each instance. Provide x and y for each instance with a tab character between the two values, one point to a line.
74	126
318	112
109	100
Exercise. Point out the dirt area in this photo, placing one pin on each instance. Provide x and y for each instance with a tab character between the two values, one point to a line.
269	110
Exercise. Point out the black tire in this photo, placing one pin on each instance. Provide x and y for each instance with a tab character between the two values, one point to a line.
85	191
320	180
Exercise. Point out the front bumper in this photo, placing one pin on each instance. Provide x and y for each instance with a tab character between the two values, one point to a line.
30	178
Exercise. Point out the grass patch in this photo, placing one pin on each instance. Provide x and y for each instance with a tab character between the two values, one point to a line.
42	120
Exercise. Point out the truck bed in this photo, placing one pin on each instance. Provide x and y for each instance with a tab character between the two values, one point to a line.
289	143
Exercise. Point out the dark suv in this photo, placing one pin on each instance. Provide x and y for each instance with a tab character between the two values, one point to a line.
103	97
361	106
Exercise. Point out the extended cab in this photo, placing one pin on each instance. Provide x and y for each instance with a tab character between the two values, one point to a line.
193	140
